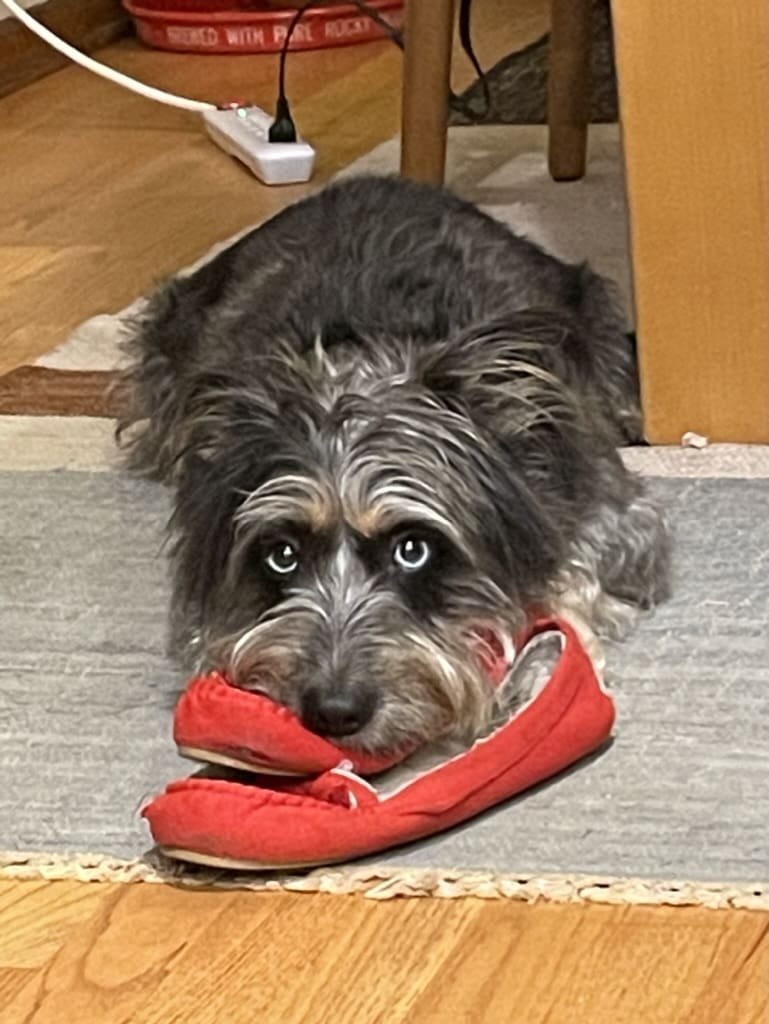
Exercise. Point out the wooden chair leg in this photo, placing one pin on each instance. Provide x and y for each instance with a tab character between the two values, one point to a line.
425	103
568	88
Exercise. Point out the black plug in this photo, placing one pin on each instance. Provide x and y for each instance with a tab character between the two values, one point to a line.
282	128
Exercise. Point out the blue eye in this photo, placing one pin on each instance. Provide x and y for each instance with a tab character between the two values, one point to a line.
411	554
283	560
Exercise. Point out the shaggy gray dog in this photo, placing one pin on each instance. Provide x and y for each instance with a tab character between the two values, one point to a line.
391	427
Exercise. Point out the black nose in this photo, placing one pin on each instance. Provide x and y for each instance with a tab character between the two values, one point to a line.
336	714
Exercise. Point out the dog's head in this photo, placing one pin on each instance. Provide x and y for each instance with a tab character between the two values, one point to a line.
359	537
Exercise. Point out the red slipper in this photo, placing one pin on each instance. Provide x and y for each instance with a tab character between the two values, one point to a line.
217	723
339	815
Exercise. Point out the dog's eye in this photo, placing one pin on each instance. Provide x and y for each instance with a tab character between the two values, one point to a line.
411	554
283	559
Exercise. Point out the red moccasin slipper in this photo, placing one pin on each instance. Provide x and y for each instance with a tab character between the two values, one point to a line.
339	815
218	723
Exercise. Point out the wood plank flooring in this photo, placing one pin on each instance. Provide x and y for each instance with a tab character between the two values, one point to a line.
104	192
109	954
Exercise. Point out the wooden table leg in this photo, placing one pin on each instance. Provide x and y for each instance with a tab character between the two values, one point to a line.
568	88
425	105
694	91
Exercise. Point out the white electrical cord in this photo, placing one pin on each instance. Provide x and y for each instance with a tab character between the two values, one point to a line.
148	91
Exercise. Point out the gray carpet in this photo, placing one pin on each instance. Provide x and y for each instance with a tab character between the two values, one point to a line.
86	695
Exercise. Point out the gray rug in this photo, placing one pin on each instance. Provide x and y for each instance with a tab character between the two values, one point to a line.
86	695
518	83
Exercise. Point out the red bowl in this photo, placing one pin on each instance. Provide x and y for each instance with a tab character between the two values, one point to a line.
218	26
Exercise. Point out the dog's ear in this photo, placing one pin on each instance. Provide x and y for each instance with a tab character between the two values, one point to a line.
215	413
231	439
507	378
217	416
532	349
518	378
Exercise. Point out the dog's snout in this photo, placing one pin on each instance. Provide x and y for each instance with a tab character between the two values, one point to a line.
336	714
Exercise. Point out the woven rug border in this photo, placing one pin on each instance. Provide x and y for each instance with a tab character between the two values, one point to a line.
383	883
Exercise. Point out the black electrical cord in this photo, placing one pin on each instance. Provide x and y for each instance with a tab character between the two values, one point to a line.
465	38
283	128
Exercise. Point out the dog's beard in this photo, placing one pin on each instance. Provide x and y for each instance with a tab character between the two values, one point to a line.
431	681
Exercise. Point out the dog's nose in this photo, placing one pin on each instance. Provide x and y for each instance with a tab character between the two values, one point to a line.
336	714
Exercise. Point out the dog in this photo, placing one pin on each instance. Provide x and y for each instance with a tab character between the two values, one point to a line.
391	427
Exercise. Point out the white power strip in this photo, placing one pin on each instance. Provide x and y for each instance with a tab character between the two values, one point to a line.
244	133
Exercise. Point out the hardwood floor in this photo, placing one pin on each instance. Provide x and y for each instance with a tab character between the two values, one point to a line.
108	954
102	194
